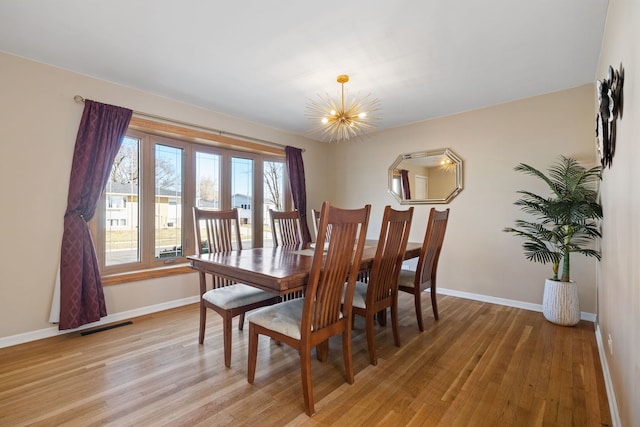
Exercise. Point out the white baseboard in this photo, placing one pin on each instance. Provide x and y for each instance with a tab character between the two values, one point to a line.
608	383
53	330
591	317
125	315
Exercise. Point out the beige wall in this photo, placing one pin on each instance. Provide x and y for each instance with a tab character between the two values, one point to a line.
38	125
477	256
619	275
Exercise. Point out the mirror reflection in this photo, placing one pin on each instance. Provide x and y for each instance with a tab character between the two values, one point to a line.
433	176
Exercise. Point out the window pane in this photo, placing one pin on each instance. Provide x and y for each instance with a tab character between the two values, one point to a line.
242	195
208	181
122	209
168	202
273	183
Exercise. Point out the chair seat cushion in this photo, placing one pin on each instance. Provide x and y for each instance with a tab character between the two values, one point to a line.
407	278
284	317
233	296
360	295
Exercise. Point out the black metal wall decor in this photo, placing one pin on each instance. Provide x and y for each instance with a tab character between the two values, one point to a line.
610	108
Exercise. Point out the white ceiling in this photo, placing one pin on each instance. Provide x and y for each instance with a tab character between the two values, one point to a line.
264	60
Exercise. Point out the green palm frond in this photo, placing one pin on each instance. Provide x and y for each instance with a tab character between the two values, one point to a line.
565	221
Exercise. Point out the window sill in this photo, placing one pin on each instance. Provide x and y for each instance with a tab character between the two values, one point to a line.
153	273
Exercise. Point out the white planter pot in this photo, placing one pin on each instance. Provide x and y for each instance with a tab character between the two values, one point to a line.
560	304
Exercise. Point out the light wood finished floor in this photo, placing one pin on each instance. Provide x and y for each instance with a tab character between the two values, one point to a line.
480	365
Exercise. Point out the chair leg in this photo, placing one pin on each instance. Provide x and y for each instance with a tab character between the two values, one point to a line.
371	338
253	354
434	303
241	322
416	294
305	374
346	354
226	332
203	322
394	321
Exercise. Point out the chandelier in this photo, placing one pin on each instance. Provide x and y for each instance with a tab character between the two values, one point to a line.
336	120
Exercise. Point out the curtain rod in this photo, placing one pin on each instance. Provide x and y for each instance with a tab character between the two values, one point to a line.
79	99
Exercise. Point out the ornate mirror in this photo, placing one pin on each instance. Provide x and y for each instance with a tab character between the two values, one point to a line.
433	176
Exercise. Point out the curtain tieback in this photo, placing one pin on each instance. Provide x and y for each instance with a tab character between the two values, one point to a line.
78	212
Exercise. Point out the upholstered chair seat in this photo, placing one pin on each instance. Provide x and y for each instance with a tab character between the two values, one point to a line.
407	278
234	296
283	318
360	295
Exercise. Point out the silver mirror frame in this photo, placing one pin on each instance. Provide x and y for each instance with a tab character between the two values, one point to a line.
420	154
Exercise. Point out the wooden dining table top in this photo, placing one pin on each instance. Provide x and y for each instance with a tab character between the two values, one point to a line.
280	270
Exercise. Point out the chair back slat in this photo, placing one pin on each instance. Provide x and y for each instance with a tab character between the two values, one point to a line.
335	266
385	270
432	245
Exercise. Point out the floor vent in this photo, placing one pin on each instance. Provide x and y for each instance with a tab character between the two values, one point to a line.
106	328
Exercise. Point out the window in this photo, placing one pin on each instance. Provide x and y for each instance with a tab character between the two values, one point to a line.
145	219
242	196
168	201
274	195
121	241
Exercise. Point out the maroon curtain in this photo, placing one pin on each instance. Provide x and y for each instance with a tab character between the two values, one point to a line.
100	135
406	188
295	168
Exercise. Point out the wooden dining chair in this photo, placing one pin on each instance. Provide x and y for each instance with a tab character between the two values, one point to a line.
309	322
381	291
415	282
286	228
218	231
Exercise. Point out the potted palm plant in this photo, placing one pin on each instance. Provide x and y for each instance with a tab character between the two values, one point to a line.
563	223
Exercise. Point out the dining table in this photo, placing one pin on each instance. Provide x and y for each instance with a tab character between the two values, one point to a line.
280	270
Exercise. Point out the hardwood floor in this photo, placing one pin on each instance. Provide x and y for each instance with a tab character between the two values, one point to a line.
480	365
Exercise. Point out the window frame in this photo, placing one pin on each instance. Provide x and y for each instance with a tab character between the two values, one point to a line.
152	133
